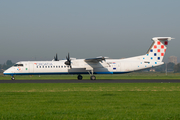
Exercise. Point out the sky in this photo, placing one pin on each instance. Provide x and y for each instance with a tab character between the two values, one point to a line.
38	29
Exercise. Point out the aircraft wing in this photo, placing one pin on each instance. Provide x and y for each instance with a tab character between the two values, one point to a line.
95	60
90	63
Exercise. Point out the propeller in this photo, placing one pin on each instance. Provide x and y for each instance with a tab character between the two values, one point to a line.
68	62
56	57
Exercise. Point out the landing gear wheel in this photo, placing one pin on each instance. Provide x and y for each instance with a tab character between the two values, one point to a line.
93	77
12	78
79	77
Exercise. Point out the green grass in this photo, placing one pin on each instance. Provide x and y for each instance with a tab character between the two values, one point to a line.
135	75
112	101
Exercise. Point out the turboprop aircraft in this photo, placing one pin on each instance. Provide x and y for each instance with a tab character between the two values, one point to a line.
98	65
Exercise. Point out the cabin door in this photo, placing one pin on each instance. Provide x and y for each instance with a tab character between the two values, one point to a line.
118	67
31	68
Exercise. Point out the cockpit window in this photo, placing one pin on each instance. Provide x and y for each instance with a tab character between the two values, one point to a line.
18	65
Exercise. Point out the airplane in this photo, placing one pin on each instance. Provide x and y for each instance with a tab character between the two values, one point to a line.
91	66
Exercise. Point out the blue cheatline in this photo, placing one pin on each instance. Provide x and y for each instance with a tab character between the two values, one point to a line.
63	73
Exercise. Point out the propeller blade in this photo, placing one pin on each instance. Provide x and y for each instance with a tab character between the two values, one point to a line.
56	57
68	57
68	62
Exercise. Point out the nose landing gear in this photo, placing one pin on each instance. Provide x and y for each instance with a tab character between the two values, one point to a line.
12	78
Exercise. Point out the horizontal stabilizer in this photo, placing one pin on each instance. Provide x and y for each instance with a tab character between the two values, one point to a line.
162	38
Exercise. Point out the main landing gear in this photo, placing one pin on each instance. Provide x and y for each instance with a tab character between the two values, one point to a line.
80	77
92	77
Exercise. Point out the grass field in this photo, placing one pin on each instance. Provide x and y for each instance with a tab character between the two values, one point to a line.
136	75
79	101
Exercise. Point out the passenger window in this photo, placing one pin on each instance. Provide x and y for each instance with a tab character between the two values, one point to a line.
45	66
42	66
39	66
51	66
64	66
61	66
48	66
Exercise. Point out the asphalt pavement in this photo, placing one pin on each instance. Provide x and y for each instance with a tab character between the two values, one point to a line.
94	81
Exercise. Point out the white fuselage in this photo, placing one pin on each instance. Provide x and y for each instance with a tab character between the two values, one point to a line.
79	66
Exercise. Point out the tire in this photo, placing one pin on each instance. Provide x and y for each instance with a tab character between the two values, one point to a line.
12	78
93	77
79	77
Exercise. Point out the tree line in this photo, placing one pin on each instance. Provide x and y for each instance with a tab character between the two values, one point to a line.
6	65
171	67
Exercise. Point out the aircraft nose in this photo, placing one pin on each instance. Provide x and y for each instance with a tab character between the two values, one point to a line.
6	72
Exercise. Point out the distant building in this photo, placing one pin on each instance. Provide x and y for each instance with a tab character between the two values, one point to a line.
152	70
173	59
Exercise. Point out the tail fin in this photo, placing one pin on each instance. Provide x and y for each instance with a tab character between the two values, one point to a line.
157	50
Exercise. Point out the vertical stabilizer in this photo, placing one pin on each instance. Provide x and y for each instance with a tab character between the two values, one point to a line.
157	50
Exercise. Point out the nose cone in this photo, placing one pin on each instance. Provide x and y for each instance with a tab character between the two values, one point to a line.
7	72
